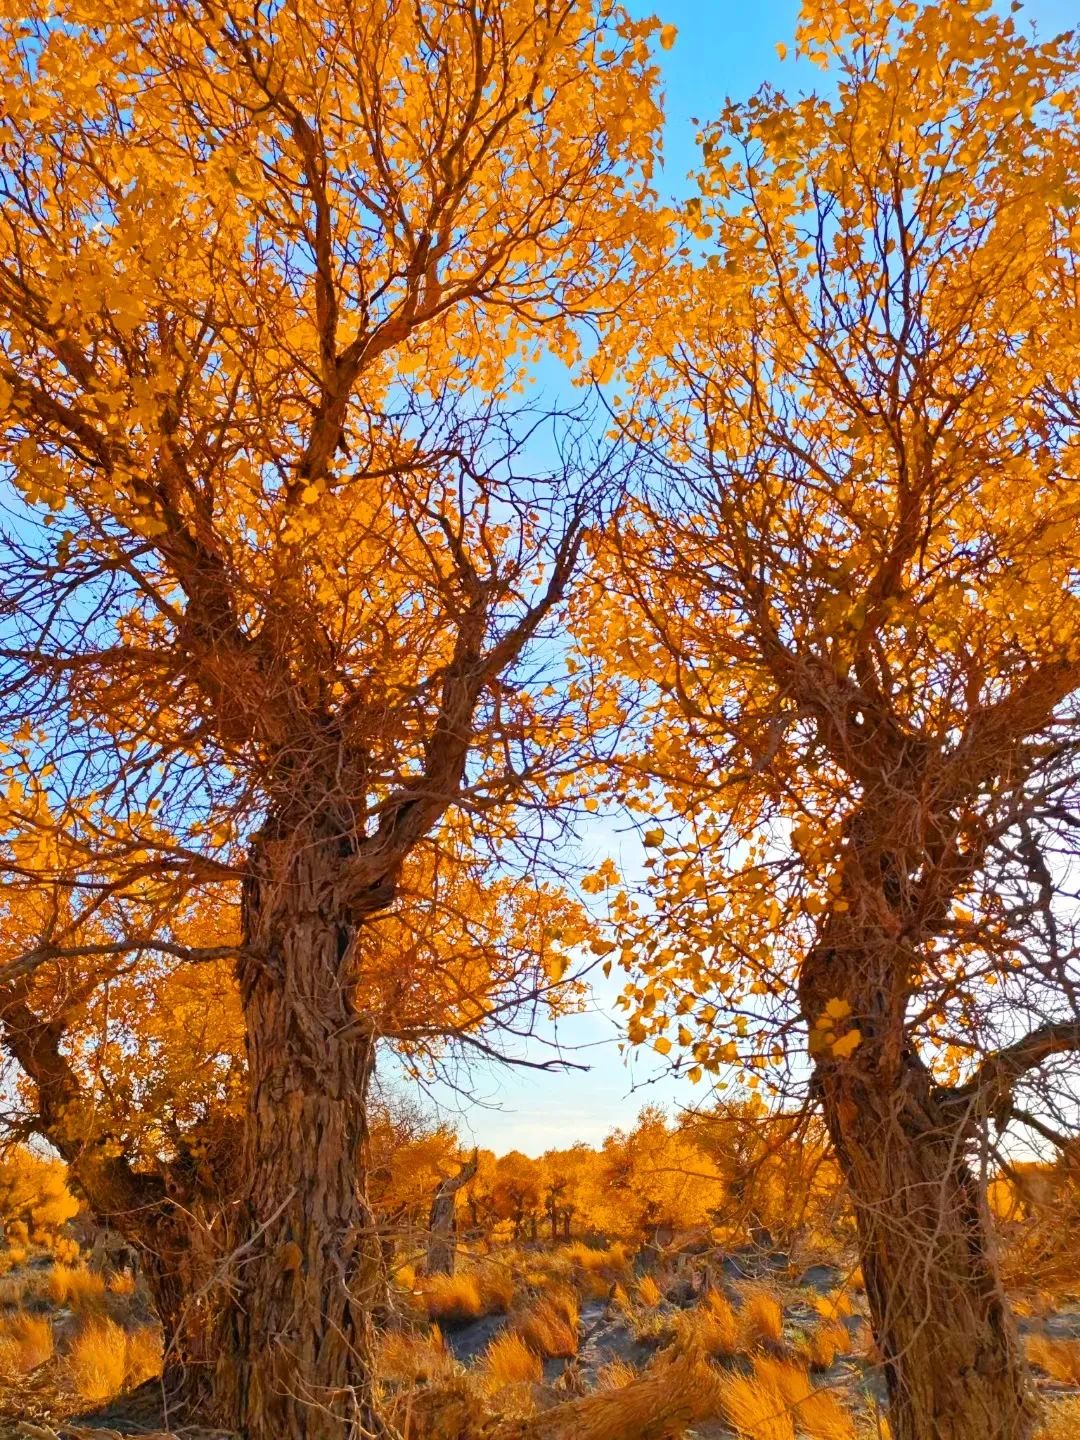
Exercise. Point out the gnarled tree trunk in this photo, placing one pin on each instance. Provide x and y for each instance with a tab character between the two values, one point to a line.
440	1247
948	1343
296	1357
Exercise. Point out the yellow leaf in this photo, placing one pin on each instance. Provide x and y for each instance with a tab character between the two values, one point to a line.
838	1009
781	50
847	1044
667	37
661	1045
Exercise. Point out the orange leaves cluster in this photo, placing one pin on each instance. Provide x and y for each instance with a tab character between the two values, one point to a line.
862	531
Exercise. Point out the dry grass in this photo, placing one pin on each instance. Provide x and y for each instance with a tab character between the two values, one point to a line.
509	1360
12	1290
648	1292
121	1283
660	1403
817	1413
104	1359
550	1325
834	1305
26	1341
711	1328
97	1361
415	1359
825	1342
611	1263
1057	1356
453	1298
778	1401
754	1410
76	1287
143	1355
467	1294
1062	1421
496	1284
616	1375
761	1317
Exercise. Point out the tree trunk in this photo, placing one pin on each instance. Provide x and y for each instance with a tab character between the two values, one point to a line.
441	1247
296	1345
948	1343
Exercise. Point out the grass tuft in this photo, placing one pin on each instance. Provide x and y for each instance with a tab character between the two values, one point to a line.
825	1342
1062	1421
97	1361
453	1298
761	1317
550	1325
26	1341
1057	1356
509	1360
648	1292
76	1287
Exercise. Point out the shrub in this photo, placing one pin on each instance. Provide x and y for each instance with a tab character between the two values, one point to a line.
97	1361
1060	1358
761	1318
508	1360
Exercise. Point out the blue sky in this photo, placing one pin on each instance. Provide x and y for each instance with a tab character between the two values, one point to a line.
722	50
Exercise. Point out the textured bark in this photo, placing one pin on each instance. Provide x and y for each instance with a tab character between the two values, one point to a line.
296	1346
947	1339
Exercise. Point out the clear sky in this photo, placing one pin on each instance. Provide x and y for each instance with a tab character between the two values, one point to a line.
723	49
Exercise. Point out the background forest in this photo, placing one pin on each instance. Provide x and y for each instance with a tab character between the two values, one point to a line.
447	583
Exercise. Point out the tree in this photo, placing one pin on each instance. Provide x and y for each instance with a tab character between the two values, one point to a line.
277	554
848	595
